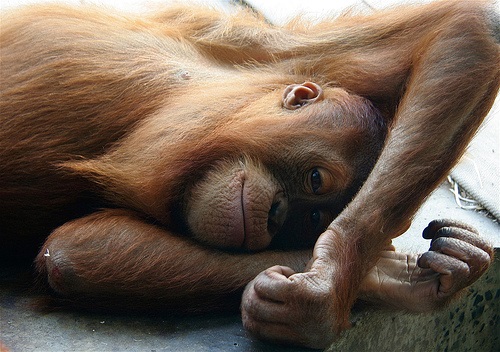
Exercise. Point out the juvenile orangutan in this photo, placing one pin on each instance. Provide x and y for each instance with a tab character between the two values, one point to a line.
175	157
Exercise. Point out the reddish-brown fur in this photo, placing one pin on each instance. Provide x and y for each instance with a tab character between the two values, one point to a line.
148	114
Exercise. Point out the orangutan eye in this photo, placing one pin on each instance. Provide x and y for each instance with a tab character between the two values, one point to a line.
320	180
316	181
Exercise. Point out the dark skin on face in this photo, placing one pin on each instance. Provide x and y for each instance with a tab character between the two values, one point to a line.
168	162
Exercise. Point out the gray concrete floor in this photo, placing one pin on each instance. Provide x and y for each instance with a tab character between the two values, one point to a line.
24	328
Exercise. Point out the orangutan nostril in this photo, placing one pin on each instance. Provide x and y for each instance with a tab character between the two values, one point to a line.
277	214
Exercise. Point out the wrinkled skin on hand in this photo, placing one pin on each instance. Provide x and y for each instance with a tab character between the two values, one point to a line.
457	257
279	297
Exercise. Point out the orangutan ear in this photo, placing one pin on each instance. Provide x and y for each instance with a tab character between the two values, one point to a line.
297	95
